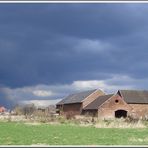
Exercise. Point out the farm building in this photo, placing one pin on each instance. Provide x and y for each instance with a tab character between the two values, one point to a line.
124	103
137	100
2	109
95	103
74	103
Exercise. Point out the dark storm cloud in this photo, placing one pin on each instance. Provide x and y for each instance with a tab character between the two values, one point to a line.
61	43
5	101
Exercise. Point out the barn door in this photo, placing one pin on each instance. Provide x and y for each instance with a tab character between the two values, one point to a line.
120	113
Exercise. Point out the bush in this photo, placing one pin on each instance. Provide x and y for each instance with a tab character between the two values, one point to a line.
61	119
132	118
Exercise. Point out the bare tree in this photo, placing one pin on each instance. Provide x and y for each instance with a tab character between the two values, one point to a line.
29	109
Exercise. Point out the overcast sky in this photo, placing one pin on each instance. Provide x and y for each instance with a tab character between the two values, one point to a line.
50	50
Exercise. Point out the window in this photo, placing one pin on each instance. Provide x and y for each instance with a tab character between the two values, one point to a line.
116	101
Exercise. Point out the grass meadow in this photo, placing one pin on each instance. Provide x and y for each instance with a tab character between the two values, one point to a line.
13	133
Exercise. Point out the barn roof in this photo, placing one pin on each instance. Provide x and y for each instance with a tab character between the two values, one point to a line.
134	96
97	102
76	98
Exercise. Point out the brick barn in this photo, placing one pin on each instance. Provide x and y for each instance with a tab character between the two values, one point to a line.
75	103
137	100
122	104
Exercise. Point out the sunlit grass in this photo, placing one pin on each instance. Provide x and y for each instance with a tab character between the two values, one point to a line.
26	134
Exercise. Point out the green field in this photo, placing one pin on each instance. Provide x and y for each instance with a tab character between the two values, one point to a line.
45	134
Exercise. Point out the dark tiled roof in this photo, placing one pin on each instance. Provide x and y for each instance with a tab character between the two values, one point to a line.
76	98
135	96
97	102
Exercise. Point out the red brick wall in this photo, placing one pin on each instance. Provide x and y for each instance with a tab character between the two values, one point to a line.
140	109
107	110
